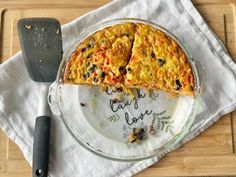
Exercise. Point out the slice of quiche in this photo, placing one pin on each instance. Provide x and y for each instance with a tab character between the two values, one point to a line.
158	62
101	58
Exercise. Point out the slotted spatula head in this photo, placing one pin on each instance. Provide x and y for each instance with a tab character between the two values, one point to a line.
41	43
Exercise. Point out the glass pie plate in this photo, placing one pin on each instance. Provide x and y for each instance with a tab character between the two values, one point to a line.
102	126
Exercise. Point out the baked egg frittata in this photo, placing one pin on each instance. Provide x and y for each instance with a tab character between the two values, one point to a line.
131	55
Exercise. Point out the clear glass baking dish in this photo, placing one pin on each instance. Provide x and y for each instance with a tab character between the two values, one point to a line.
103	128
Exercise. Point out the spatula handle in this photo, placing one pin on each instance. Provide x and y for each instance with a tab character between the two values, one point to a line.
41	146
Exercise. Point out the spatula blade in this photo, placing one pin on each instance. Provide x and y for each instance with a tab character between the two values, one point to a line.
41	44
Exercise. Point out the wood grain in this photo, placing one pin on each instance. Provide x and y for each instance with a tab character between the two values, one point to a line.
211	153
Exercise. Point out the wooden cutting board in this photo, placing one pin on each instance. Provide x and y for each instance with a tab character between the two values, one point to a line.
210	154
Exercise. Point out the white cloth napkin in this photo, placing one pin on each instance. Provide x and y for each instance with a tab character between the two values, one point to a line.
19	95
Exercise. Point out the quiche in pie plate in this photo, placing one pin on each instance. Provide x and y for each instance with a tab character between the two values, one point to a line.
126	56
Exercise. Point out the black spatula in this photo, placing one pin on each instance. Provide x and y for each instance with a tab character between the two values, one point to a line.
41	44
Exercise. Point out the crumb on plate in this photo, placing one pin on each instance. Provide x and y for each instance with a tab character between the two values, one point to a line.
136	135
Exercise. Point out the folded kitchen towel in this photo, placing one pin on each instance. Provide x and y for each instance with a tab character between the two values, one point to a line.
19	95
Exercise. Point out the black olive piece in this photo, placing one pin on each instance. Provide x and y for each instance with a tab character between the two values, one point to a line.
91	70
129	69
142	130
125	34
161	62
122	70
83	49
95	67
177	50
82	104
95	79
115	100
153	55
119	89
133	140
178	84
102	74
86	75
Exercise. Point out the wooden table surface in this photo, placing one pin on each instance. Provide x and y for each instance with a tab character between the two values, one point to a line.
210	154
